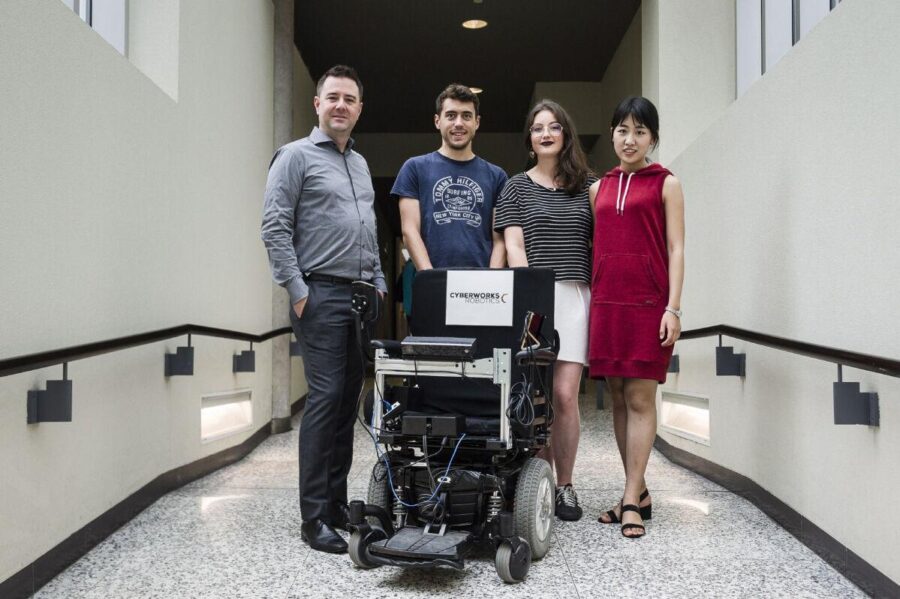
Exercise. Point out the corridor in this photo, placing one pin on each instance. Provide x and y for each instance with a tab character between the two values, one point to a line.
235	533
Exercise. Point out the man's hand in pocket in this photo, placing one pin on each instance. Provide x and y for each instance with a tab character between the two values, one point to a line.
298	307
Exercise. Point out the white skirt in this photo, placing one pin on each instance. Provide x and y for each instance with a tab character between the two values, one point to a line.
570	317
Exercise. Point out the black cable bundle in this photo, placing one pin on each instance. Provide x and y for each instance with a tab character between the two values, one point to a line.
521	408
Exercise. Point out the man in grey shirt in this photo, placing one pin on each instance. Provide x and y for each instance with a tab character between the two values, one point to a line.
319	230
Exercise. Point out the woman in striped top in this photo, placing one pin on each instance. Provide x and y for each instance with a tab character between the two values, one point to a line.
546	217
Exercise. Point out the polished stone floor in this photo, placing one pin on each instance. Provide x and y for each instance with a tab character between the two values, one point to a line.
235	533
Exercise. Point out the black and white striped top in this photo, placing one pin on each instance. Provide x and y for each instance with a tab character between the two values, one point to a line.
557	227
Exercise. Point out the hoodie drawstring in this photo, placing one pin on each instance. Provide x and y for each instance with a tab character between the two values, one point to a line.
620	197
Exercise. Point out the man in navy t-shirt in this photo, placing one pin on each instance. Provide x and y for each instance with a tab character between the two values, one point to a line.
447	197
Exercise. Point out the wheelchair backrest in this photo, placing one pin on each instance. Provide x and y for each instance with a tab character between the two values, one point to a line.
532	290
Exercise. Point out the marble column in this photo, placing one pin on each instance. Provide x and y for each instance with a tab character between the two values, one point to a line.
282	133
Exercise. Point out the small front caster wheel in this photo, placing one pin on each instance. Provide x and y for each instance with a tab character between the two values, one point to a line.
358	548
512	565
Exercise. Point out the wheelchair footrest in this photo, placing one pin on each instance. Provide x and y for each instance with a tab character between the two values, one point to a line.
415	543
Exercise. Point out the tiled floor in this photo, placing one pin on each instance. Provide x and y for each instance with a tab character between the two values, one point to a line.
235	533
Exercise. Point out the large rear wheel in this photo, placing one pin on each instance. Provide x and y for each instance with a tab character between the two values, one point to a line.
380	493
534	505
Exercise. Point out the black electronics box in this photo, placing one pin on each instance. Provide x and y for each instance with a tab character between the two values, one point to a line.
434	426
408	397
439	348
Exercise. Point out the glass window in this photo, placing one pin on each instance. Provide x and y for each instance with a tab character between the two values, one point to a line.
766	29
109	18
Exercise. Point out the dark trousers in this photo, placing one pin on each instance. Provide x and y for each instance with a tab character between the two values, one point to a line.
334	374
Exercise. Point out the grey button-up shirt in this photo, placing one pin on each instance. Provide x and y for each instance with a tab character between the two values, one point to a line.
319	215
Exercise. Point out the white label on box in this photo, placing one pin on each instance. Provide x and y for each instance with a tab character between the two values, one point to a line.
481	298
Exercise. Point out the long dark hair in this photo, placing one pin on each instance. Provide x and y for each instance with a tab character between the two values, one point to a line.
572	170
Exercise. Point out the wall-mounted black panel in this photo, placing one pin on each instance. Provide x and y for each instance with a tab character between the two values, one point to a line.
601	385
851	406
674	364
181	363
729	363
52	405
244	362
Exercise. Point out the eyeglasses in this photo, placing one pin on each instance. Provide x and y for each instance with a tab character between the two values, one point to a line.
553	128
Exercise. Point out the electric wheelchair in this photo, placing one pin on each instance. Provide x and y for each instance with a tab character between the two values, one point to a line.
458	412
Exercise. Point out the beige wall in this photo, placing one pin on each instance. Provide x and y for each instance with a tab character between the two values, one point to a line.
153	41
579	98
304	91
791	213
649	15
123	211
688	67
622	79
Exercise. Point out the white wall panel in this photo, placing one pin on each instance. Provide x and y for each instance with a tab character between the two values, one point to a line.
790	217
811	12
748	22
622	79
143	219
153	30
779	30
692	64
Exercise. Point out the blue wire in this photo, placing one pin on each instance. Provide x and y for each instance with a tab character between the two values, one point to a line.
387	465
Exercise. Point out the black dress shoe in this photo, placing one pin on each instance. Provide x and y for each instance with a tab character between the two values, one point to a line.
340	516
321	537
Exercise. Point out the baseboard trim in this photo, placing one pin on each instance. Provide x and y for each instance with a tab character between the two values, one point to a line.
29	579
281	425
299	404
861	573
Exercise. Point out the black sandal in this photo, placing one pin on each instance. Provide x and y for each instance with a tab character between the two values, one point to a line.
645	511
632	508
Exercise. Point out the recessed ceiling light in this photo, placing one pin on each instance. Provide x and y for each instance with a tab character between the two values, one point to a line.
476	90
474	24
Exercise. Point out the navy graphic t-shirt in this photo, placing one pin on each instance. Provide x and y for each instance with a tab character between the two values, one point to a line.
456	200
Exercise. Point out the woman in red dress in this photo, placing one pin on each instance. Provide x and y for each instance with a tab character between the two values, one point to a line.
637	277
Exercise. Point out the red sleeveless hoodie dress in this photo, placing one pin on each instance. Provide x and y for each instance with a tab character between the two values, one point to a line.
630	280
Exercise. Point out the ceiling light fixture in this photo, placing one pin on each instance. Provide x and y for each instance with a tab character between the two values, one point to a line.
475	90
474	24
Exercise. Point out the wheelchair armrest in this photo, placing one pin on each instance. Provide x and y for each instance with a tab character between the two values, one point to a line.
538	357
391	347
